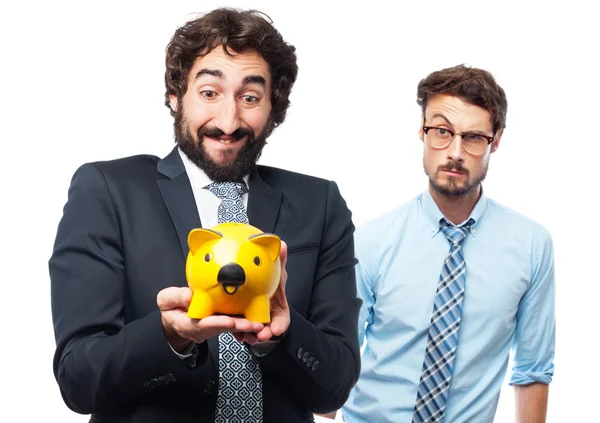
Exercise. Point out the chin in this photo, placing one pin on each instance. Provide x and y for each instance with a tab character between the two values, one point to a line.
223	157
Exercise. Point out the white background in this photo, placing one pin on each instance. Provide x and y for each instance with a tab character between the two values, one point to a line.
84	82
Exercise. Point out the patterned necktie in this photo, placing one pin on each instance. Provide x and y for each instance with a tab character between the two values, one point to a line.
240	377
443	330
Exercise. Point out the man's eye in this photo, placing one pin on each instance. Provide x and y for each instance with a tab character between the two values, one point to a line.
208	94
442	132
250	99
474	138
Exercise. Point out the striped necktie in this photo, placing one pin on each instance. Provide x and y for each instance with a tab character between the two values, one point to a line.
443	330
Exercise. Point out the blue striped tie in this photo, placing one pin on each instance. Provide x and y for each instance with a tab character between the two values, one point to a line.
443	330
239	399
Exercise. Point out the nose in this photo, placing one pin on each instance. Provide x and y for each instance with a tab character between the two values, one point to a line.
228	118
231	274
456	150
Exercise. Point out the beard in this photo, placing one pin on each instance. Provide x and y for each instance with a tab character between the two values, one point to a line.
242	164
450	188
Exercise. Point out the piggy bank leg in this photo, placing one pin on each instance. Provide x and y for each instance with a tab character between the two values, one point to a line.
201	306
259	310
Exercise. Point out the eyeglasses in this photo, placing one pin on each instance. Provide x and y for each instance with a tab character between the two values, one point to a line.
440	138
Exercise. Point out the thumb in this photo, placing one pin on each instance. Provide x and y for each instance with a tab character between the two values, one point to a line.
174	297
283	253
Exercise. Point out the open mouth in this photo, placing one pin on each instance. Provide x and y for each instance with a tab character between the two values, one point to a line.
230	289
225	140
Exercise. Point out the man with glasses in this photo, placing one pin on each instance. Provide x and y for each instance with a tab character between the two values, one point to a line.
452	280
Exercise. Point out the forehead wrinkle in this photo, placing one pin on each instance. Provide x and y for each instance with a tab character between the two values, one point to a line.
458	113
213	72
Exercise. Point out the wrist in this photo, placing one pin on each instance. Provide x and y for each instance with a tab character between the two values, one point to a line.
176	341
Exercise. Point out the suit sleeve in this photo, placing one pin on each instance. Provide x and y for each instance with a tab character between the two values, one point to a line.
101	361
329	333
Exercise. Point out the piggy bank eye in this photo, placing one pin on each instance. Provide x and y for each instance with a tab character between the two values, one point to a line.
257	260
207	257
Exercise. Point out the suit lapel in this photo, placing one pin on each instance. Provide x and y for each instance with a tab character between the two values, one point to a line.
263	208
177	194
263	203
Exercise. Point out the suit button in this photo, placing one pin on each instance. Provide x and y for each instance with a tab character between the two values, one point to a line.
310	362
299	353
305	357
209	387
163	380
148	386
155	382
315	365
171	377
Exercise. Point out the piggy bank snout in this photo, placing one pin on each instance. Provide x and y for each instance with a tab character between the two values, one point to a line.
231	277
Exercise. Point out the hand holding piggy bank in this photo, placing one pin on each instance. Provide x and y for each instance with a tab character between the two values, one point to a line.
233	269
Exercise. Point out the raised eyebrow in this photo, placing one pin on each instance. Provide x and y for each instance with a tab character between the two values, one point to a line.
254	79
471	132
213	72
443	117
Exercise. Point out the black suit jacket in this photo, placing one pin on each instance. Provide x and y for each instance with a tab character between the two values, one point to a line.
123	238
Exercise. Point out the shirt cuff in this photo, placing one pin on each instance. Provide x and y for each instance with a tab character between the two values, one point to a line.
261	349
188	355
521	378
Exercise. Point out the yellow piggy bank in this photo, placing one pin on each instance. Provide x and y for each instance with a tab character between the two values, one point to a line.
233	269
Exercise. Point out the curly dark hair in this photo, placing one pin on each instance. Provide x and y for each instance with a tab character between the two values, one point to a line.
473	85
237	31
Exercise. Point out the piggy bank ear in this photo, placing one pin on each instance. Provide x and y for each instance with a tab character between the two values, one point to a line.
269	242
197	237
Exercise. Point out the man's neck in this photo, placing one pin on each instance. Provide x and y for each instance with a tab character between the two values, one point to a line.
456	208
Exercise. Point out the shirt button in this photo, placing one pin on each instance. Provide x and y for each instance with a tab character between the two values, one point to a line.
299	353
474	230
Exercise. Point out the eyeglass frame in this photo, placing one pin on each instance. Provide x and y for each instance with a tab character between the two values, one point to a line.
462	134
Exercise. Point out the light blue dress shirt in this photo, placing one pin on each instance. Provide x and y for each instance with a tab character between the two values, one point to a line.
508	303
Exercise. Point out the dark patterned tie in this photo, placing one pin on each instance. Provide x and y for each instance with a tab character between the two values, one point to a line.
443	330
240	377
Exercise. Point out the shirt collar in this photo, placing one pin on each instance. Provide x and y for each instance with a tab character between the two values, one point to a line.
198	178
433	214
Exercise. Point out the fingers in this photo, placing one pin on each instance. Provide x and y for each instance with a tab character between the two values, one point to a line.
174	297
283	259
265	334
279	324
248	337
283	253
228	324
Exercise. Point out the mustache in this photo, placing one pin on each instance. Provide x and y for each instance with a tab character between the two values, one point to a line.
236	135
454	166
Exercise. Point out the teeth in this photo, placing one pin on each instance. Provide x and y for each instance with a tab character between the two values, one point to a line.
225	141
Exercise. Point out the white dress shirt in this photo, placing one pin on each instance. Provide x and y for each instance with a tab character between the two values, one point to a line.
206	201
207	204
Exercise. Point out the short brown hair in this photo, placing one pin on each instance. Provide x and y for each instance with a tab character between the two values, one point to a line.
475	86
239	31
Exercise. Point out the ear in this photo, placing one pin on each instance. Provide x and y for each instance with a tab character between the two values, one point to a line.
270	242
421	133
496	142
197	237
173	102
